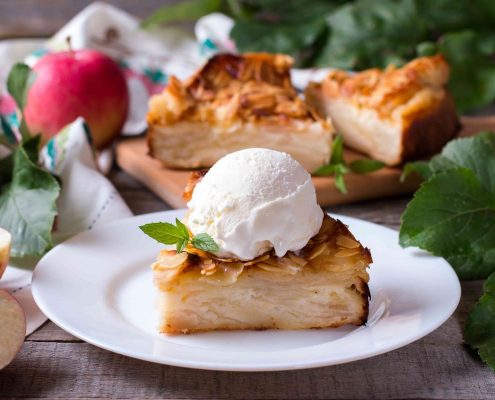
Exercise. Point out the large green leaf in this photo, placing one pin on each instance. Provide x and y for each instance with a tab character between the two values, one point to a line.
453	215
479	331
369	33
27	206
470	55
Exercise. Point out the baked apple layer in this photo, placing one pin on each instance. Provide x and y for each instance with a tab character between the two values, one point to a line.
323	285
186	145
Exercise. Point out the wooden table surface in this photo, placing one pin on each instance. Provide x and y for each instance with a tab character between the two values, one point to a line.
54	364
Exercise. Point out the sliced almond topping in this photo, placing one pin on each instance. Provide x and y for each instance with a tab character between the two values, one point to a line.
257	260
317	251
298	260
320	237
169	260
347	252
347	242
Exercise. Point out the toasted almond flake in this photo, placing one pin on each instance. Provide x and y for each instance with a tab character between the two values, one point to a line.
257	260
208	273
208	267
268	267
347	252
347	242
320	237
298	260
169	260
317	251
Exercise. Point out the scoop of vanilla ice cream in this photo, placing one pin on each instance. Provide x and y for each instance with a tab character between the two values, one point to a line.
254	200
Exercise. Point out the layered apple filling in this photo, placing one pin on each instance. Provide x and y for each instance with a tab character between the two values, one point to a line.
322	285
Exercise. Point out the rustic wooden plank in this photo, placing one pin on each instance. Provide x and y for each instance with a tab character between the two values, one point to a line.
79	370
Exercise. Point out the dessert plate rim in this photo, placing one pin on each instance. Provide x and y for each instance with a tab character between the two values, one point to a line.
408	307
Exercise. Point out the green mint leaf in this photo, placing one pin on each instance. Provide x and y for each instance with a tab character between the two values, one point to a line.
326	170
337	155
340	183
188	10
365	166
479	331
182	228
453	215
164	232
205	242
181	244
27	206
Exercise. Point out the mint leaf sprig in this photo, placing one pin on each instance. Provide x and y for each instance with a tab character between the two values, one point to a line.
338	167
178	234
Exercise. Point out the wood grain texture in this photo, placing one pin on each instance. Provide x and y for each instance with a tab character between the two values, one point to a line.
53	364
168	184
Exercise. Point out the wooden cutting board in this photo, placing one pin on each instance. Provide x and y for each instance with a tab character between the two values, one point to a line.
168	184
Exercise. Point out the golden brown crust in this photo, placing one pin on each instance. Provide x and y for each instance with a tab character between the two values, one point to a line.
426	135
385	90
229	88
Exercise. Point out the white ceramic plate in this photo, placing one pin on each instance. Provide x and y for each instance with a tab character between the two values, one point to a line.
98	287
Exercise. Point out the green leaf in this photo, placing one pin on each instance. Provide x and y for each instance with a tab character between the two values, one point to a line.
188	10
165	232
19	80
476	153
181	244
337	155
470	56
182	228
453	215
368	33
27	206
340	183
479	331
365	166
422	168
204	242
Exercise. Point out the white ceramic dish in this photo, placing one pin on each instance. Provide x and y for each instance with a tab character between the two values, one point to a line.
98	287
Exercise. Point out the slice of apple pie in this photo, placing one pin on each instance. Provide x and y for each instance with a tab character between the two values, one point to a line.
323	285
394	115
235	102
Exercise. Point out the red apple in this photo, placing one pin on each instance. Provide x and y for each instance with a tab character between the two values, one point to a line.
12	328
5	239
77	83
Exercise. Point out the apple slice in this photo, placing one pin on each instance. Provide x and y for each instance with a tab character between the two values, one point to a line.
12	328
5	239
